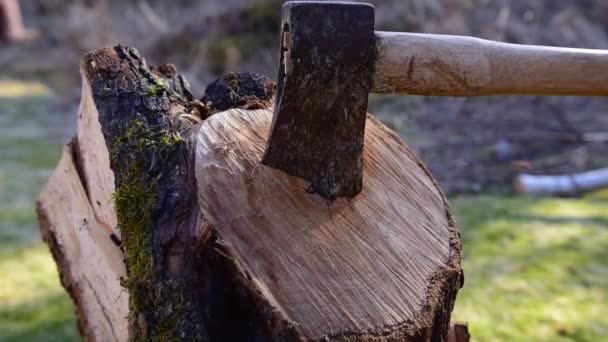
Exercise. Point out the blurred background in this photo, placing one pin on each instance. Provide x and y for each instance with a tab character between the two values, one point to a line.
535	268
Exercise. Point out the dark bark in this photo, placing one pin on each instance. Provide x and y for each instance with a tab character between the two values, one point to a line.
214	302
176	82
154	198
459	332
244	90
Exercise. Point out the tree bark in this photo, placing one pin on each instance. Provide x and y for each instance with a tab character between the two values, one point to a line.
459	332
165	224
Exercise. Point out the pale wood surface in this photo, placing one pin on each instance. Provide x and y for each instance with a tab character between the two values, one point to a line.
95	159
426	64
90	263
368	264
76	212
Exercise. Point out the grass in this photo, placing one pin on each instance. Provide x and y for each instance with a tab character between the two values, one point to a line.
535	269
33	305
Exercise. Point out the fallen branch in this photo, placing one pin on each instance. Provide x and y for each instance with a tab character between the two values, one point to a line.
561	185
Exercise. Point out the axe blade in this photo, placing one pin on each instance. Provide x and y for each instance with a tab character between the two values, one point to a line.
327	57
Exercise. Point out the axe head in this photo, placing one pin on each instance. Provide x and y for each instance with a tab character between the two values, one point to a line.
327	57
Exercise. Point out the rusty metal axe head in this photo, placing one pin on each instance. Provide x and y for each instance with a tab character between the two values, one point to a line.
327	58
330	54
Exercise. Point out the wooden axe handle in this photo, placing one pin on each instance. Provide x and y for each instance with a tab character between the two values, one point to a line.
427	64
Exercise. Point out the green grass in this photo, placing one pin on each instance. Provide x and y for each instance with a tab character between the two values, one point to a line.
535	269
33	305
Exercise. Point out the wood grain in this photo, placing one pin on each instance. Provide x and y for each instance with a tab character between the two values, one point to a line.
76	219
376	264
427	64
90	264
94	158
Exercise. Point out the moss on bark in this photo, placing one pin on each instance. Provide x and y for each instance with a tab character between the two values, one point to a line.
149	160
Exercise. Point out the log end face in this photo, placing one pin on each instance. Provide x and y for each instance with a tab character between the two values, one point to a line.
384	265
111	61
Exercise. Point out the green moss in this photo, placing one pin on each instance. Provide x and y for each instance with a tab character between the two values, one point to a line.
135	200
169	138
157	88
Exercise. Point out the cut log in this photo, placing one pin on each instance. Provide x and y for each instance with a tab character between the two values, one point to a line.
216	246
384	264
561	185
77	220
90	263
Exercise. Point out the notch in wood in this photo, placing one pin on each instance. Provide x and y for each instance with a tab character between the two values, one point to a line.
327	55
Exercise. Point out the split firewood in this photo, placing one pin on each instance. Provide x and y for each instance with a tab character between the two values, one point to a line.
212	245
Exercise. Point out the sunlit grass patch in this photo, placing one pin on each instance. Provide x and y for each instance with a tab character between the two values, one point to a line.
33	304
535	269
37	278
16	88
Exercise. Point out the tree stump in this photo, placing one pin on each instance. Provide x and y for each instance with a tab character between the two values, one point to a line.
166	225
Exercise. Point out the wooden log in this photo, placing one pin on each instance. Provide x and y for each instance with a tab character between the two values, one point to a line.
90	263
148	144
561	185
382	265
219	247
77	221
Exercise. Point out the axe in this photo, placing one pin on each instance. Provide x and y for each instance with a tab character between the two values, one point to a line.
331	59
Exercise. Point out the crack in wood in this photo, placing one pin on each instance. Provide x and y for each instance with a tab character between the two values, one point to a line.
102	307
